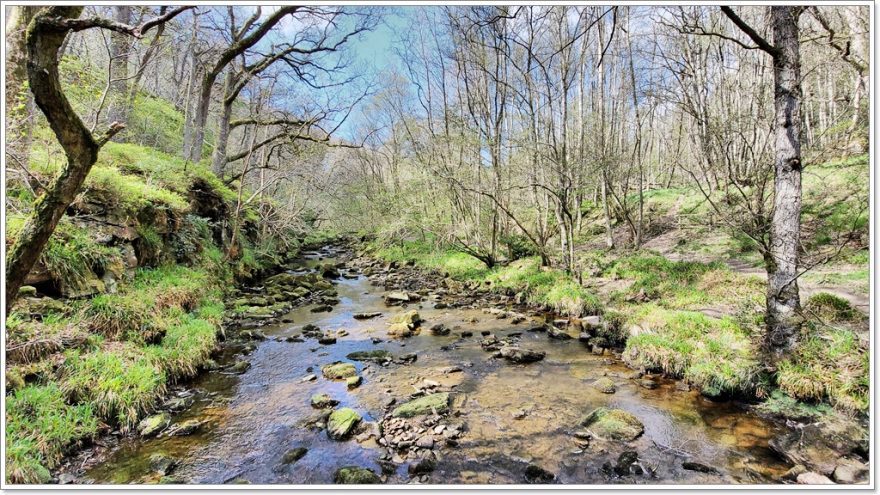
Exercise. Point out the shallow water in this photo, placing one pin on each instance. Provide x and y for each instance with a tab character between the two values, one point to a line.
514	414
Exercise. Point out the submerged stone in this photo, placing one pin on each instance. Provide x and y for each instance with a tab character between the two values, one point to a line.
605	385
154	424
320	401
376	355
294	455
353	475
613	424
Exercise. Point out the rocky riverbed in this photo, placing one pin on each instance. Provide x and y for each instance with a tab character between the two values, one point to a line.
351	370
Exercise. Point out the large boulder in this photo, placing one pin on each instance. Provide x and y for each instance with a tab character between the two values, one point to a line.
353	475
613	424
338	370
428	404
341	422
404	324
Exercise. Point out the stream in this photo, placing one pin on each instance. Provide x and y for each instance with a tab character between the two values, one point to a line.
512	415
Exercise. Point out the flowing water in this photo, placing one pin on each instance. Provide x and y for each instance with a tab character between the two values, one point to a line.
515	415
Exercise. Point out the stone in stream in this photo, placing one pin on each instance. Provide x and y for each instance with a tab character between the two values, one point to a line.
327	340
354	475
537	475
376	356
338	370
700	468
154	424
613	424
322	308
366	316
558	334
423	466
162	463
404	324
439	329
521	356
240	367
434	403
647	383
322	400
294	455
396	297
353	381
185	428
341	422
605	385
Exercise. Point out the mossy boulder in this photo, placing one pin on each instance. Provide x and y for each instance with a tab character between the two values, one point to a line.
338	370
613	424
411	318
354	381
438	403
321	401
341	423
605	385
376	356
353	475
399	330
154	424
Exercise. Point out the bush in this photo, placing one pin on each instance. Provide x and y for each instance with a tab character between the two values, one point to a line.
831	308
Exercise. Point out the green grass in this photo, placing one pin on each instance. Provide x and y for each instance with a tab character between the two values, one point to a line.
716	355
828	365
119	383
831	308
40	426
540	285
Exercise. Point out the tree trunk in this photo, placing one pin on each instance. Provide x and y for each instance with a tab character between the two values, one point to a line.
783	300
218	161
120	46
44	39
200	119
19	102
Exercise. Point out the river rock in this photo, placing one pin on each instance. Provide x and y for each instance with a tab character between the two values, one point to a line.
811	478
327	339
698	467
154	424
353	475
293	455
647	383
438	403
366	316
396	297
558	334
353	381
341	422
322	400
521	356
187	427
605	385
162	463
328	270
850	471
240	367
375	355
537	475
816	447
439	329
338	370
613	424
423	466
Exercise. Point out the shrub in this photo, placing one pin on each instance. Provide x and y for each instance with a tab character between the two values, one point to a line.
831	308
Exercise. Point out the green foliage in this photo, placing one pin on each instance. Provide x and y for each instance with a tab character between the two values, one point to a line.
781	404
546	286
130	193
155	122
185	347
40	425
119	383
714	354
72	255
656	276
828	365
831	308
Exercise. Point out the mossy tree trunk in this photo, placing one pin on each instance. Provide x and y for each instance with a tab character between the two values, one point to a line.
45	36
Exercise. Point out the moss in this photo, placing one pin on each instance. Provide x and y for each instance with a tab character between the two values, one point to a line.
438	403
40	426
828	365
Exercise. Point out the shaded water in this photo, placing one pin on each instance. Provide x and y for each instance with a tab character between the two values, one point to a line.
514	414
